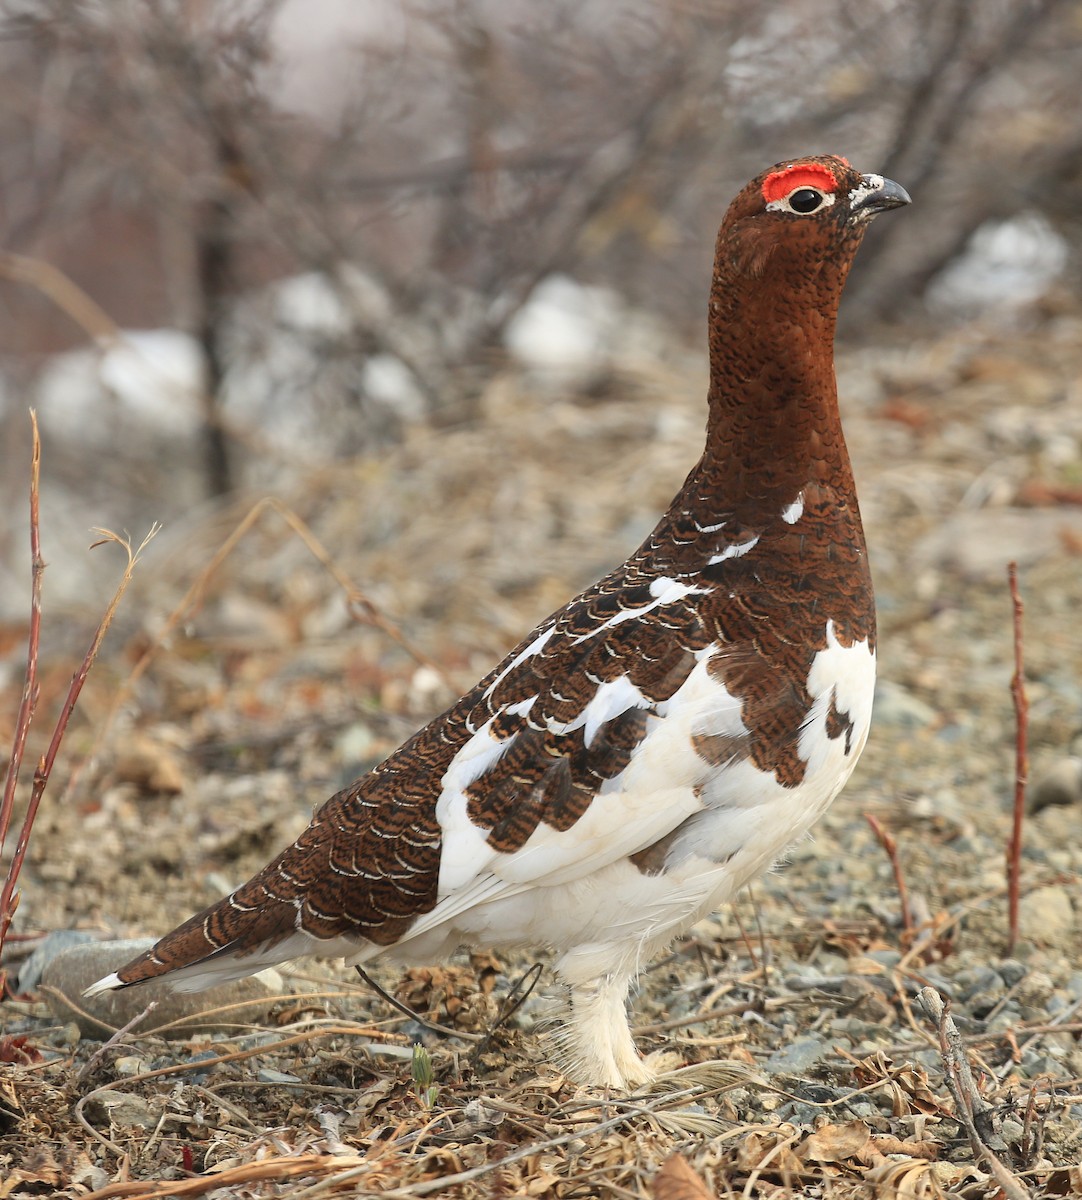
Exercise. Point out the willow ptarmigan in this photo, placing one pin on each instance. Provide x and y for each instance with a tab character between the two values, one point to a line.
661	739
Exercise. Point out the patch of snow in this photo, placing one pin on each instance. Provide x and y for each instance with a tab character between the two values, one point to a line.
1006	266
151	376
310	303
565	329
388	381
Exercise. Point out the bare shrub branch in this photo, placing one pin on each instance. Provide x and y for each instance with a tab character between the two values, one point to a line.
1021	762
8	896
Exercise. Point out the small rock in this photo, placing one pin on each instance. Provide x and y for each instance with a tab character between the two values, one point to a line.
1012	971
888	958
267	1075
130	1064
69	1034
978	544
799	1055
47	949
1047	917
355	744
1060	784
868	1002
153	768
894	705
1005	1018
76	968
127	1111
973	981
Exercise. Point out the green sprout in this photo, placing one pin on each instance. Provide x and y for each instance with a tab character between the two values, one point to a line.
423	1080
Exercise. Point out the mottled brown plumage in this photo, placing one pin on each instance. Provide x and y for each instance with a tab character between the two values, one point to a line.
657	741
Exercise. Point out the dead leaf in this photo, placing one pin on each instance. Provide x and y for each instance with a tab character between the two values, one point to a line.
677	1181
19	1049
39	1166
885	1143
914	1179
773	1149
910	413
1038	493
836	1143
908	1084
150	766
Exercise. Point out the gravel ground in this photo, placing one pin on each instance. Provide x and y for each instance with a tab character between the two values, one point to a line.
811	1066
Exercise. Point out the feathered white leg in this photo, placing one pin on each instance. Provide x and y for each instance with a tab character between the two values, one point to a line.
595	1041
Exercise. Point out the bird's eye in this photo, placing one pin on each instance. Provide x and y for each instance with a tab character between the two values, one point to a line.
805	200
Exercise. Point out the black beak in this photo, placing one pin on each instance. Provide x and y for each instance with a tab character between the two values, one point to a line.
874	194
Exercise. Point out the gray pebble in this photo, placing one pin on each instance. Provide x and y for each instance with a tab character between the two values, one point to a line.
803	1116
44	953
1007	1016
863	1109
76	968
893	705
1060	784
127	1110
1047	917
982	1003
974	980
130	1064
266	1075
1012	971
799	1055
940	982
1012	1131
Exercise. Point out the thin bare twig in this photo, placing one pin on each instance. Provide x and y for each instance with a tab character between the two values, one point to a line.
890	845
45	763
1021	769
114	1040
518	994
971	1108
50	281
30	686
413	1015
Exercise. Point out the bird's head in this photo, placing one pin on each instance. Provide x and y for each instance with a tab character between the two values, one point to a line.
800	215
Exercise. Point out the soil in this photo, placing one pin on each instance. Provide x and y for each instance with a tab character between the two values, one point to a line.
812	1067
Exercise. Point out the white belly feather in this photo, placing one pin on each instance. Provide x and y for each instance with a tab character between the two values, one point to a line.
576	888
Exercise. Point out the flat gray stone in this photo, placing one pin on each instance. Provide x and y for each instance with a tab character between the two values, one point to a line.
978	544
894	705
799	1055
50	946
1060	784
73	970
1047	916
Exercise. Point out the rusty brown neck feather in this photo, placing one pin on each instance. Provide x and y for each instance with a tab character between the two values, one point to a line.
773	407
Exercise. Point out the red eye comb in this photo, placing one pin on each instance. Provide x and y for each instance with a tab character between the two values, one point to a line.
781	183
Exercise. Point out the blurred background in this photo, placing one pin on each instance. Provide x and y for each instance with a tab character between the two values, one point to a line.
434	272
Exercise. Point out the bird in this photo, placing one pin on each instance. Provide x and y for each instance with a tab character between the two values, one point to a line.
659	741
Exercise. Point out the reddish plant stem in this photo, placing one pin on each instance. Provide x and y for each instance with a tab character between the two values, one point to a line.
1021	758
45	763
8	895
890	845
30	686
